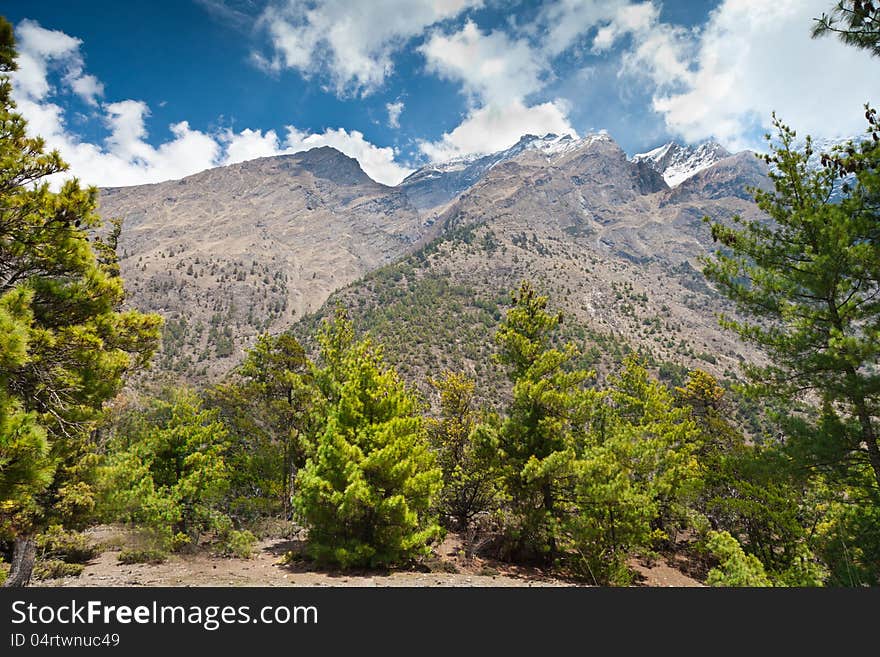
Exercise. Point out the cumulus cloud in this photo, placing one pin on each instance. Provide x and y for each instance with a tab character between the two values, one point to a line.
498	74
752	57
493	128
351	43
565	21
492	67
250	144
40	50
394	110
126	157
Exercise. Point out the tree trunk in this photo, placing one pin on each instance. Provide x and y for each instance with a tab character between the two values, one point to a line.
548	507
23	557
869	436
870	440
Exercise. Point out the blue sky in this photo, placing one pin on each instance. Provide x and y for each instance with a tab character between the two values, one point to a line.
141	93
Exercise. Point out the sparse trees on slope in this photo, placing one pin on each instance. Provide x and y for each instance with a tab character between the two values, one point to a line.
66	342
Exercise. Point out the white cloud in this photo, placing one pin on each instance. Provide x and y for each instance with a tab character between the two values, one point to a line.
250	144
394	111
498	74
88	87
493	68
493	128
377	162
126	157
39	50
637	18
564	21
751	58
352	42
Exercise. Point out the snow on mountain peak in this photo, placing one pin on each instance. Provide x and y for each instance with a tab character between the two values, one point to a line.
678	163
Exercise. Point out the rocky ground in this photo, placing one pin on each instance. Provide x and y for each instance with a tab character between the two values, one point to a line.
268	567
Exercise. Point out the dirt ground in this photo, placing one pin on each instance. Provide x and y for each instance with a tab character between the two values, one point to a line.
268	568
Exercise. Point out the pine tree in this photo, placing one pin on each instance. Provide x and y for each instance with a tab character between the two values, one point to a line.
465	451
367	493
808	283
636	469
66	343
166	470
855	22
538	440
269	404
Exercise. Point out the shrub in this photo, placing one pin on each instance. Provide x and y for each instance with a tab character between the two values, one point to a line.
55	568
735	568
235	543
142	555
70	547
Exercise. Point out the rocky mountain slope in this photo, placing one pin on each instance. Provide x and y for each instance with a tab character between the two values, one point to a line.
427	266
677	163
605	237
230	252
435	185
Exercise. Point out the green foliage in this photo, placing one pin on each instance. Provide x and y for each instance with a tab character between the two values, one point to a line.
268	408
808	282
236	543
751	491
66	344
635	471
810	277
592	474
70	547
735	568
855	22
56	568
848	535
141	555
167	471
537	440
367	492
465	451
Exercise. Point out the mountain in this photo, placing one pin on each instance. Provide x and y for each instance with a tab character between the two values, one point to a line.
591	228
233	251
678	163
275	243
732	176
436	184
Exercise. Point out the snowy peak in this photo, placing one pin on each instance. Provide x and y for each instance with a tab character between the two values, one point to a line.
549	144
678	163
438	183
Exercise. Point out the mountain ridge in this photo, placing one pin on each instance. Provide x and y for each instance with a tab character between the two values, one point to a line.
234	251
